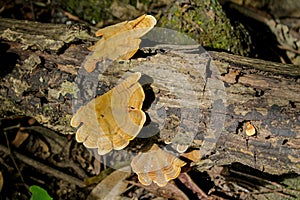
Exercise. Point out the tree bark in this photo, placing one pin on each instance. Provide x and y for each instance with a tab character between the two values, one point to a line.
211	94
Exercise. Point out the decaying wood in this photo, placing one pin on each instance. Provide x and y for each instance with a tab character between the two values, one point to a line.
40	80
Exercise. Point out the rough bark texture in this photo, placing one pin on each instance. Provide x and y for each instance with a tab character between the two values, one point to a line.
41	69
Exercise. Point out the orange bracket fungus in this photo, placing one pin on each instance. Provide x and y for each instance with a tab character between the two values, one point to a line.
110	121
156	165
119	41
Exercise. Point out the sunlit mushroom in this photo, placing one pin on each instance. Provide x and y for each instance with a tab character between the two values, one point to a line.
110	121
156	165
250	129
119	41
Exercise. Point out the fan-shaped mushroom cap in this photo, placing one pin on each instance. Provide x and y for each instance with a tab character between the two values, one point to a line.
119	41
156	165
142	22
110	121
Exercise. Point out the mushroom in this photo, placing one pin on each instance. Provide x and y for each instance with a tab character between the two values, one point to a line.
119	41
250	129
110	121
182	141
156	165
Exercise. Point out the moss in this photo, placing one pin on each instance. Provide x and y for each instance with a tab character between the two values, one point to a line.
202	20
89	10
206	22
95	11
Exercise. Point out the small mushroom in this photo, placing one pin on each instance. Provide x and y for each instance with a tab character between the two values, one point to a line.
250	129
110	121
156	165
182	141
181	148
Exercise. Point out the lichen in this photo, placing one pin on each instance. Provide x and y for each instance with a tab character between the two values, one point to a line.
42	119
27	41
70	88
32	61
11	35
66	88
19	86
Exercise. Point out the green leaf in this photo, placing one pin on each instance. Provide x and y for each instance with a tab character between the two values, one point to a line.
39	193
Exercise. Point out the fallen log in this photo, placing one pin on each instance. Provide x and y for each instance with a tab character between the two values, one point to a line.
211	94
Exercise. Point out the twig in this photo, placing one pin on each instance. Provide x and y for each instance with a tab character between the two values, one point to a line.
33	163
189	183
12	158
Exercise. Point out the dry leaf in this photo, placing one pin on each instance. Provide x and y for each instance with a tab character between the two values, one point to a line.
20	138
110	121
194	155
1	181
170	191
156	165
189	183
119	41
112	186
